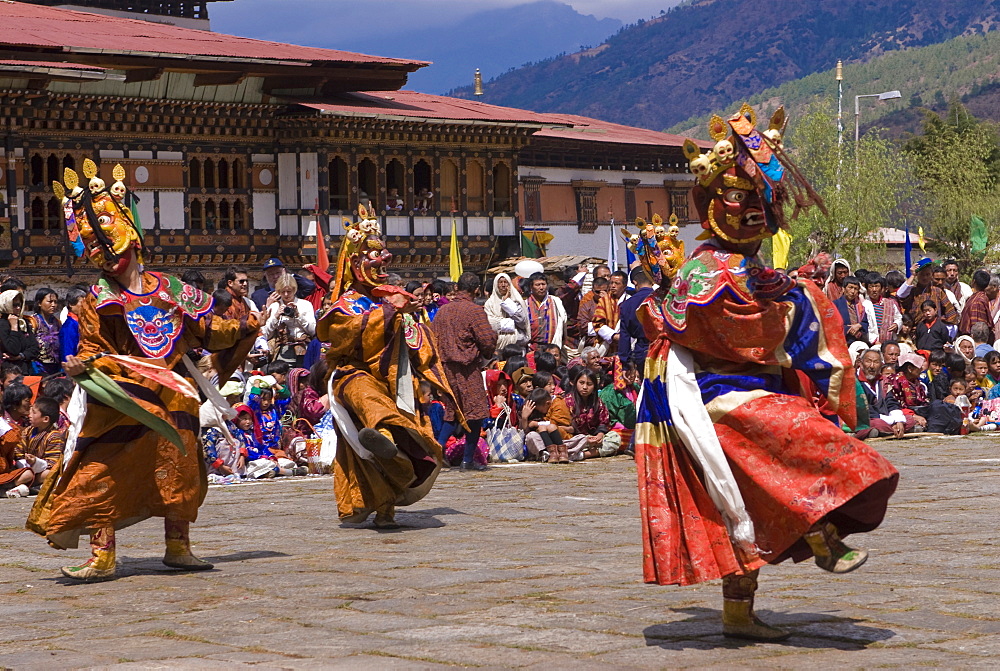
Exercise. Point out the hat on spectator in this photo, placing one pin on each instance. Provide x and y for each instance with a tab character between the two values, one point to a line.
924	262
520	373
273	262
914	359
232	388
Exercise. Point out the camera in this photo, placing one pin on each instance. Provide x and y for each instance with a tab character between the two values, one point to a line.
288	311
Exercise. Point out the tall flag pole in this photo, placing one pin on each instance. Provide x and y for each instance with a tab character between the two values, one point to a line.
840	120
907	251
613	247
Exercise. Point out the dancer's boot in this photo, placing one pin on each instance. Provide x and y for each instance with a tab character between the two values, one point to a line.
101	565
386	518
178	554
831	553
738	618
378	442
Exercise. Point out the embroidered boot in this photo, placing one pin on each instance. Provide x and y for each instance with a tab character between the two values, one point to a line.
379	443
563	453
178	554
101	565
831	553
738	618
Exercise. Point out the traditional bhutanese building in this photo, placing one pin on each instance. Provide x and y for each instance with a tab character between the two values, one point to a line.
242	149
186	13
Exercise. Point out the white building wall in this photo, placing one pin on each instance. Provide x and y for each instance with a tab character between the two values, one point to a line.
570	241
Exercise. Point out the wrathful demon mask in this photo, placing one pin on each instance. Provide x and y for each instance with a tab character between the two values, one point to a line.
746	179
363	258
98	220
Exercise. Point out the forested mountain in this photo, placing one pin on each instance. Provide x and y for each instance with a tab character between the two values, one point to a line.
701	56
963	68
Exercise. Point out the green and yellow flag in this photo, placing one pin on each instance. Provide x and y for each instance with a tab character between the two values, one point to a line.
533	243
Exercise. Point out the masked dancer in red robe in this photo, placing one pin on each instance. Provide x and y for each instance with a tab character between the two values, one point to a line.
737	466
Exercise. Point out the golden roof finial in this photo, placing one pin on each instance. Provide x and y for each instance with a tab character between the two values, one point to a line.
479	83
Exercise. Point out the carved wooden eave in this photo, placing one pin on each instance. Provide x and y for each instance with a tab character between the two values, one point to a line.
401	131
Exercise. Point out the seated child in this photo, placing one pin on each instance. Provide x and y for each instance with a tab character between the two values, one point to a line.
523	384
935	378
14	478
590	419
619	397
993	373
42	444
224	454
499	390
279	371
60	390
907	330
266	444
546	363
434	409
982	373
558	413
907	386
544	439
959	398
973	390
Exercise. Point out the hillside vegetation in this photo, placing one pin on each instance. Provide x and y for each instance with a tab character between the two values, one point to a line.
966	68
701	56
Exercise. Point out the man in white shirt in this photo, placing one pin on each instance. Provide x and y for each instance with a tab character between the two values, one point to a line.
958	291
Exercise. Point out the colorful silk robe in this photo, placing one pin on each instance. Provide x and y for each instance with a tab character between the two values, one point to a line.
122	472
757	364
366	337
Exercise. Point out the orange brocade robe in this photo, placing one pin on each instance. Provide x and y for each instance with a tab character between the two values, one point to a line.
792	465
122	472
365	337
607	312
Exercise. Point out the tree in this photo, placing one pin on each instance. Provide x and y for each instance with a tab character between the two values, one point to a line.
958	160
865	188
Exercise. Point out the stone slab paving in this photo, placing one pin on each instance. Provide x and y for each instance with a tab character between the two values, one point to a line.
528	566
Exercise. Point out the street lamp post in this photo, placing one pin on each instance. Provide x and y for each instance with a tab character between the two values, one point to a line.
888	95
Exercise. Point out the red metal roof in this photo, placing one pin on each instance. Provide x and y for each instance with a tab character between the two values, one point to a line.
43	27
411	104
594	130
51	64
416	105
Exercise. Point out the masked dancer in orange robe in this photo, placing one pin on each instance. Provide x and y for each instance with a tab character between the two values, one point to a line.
138	457
387	455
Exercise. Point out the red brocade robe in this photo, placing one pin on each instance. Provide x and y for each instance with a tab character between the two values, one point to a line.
758	364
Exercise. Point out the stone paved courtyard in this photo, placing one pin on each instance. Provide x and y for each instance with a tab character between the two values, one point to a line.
522	566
